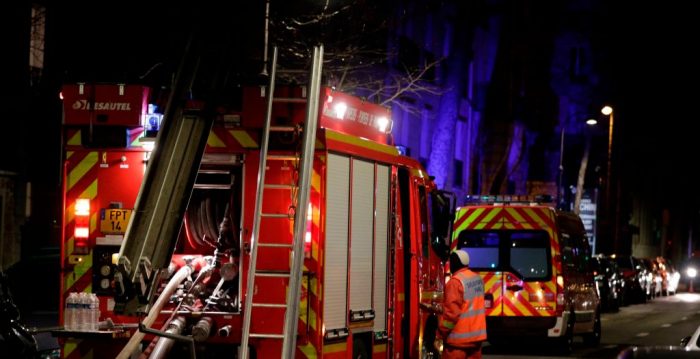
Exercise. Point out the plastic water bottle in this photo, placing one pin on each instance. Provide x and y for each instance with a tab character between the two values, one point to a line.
94	311
69	319
83	312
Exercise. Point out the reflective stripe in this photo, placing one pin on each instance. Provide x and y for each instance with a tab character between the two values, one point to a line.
471	324
471	313
475	333
448	324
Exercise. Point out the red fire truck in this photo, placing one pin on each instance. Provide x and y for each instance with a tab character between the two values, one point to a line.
212	266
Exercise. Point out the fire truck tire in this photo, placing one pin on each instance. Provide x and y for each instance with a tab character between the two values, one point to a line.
359	349
593	339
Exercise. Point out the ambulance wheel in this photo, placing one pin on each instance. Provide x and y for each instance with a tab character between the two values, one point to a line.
593	339
566	342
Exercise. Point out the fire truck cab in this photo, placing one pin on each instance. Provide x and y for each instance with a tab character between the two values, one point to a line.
374	245
534	261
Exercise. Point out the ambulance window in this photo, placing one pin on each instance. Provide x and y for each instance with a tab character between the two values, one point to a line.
529	254
483	248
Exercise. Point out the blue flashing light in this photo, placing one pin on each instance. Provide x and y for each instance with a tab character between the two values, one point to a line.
402	150
152	120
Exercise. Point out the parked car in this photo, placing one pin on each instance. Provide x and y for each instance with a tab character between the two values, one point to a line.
657	352
674	278
653	288
692	342
666	272
608	280
634	277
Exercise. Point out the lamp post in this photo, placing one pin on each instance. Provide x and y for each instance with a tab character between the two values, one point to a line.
611	218
608	111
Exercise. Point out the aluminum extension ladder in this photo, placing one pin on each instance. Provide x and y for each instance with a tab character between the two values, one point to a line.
288	336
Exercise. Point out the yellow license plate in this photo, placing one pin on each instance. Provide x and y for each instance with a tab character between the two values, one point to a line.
114	220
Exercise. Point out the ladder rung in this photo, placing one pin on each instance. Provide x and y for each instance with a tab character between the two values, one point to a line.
280	186
278	245
282	128
292	71
289	99
274	215
282	157
212	186
214	171
269	305
267	336
272	274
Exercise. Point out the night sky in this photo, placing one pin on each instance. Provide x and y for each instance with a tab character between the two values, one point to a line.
652	77
656	78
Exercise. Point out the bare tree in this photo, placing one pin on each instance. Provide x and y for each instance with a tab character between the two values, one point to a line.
357	57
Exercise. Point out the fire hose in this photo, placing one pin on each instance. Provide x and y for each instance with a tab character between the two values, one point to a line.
183	273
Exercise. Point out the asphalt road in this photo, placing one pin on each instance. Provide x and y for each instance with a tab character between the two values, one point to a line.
663	321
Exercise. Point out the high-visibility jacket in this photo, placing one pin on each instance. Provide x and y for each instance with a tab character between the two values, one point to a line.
463	320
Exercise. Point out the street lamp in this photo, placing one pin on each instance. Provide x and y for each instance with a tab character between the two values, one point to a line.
608	111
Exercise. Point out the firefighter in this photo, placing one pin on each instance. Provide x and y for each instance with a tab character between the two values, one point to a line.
463	322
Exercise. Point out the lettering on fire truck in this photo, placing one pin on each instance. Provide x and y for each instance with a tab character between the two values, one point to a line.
111	106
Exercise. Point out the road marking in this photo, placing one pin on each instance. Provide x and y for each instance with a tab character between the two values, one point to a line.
665	325
642	334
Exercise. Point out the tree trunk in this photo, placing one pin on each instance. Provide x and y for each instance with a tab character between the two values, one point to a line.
582	175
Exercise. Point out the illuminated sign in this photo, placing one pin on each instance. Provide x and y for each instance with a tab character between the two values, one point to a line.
587	212
353	116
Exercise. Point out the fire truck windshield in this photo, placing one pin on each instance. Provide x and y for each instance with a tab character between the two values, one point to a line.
524	253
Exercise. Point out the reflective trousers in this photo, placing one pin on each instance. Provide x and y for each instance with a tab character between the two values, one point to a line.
462	353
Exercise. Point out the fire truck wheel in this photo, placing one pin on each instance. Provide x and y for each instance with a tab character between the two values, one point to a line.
593	339
359	349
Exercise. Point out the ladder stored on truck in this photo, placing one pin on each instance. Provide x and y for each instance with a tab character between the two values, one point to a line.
152	233
306	157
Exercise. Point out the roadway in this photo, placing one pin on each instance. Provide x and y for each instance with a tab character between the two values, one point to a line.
663	321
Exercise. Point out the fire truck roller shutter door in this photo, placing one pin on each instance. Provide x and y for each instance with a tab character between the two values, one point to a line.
381	231
361	233
336	264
